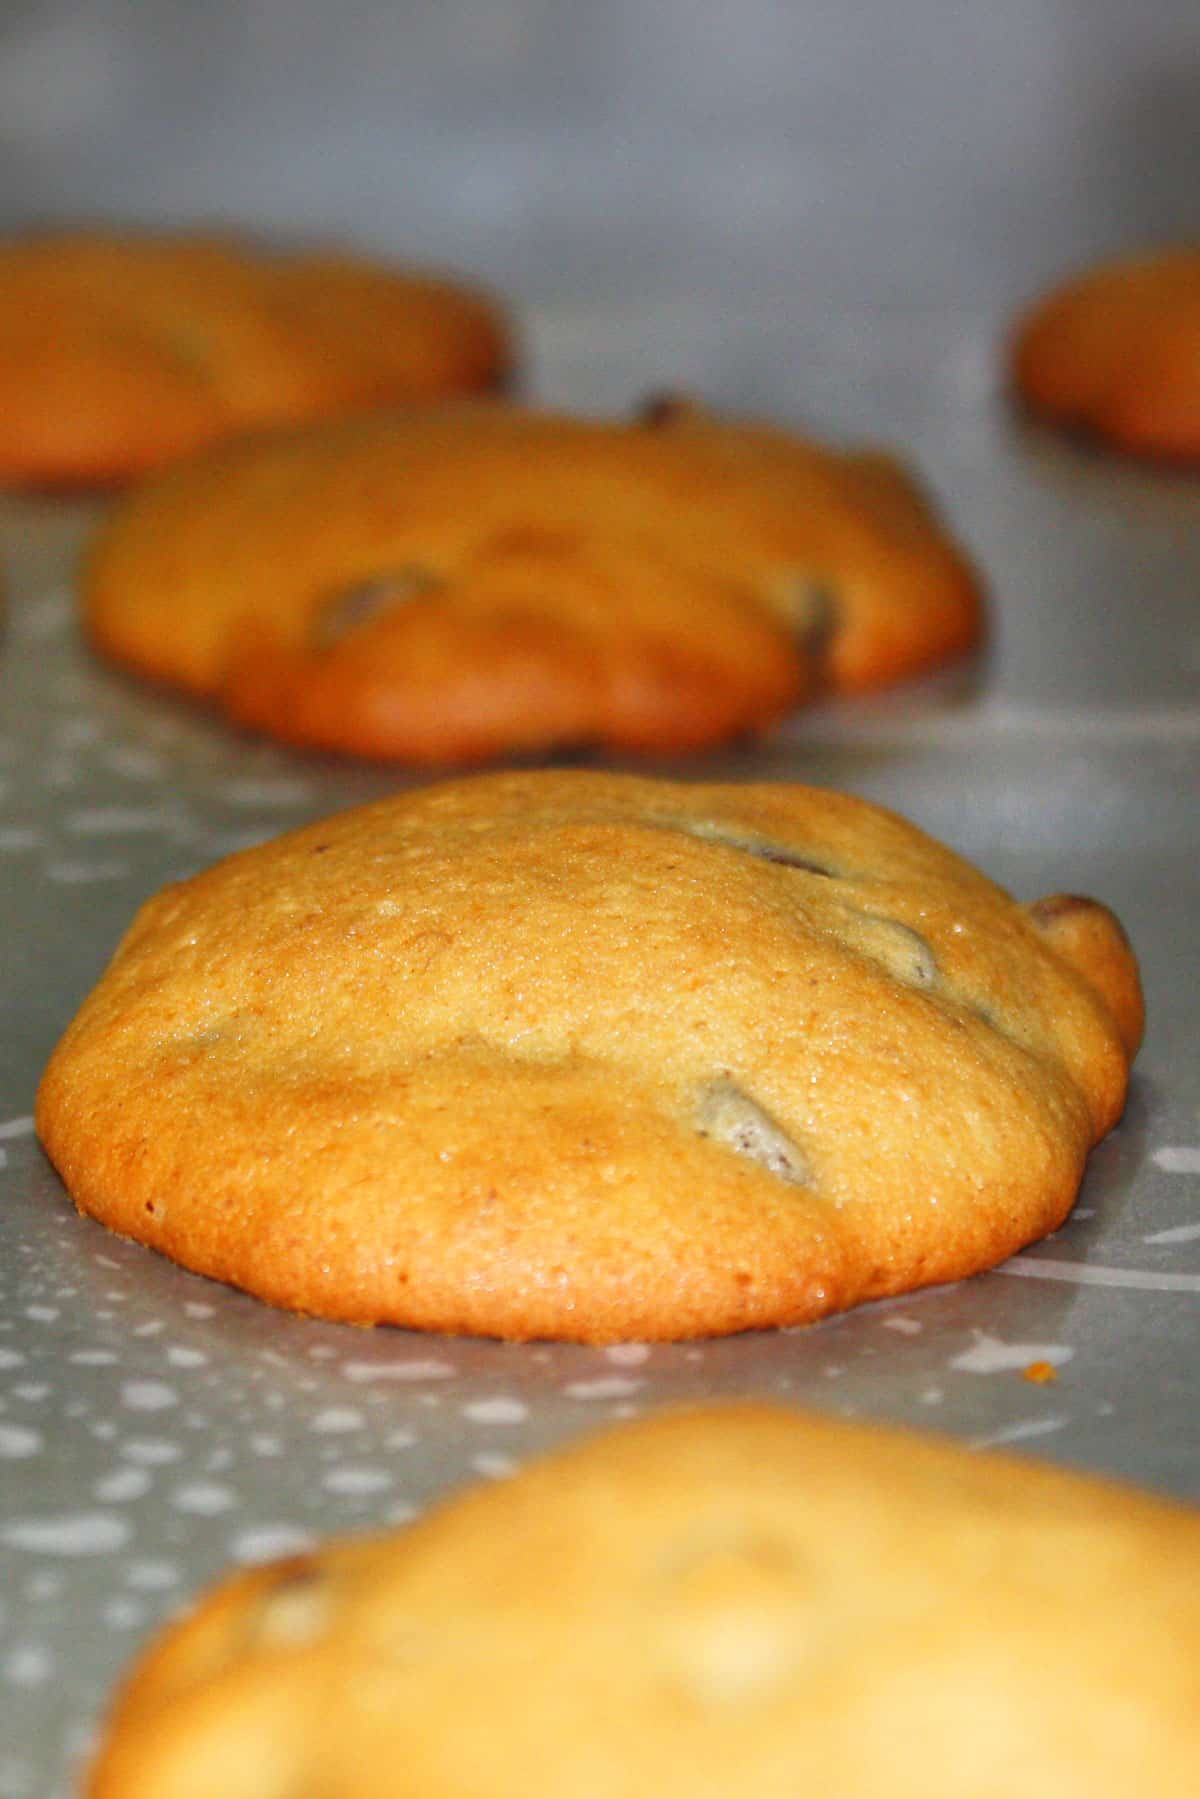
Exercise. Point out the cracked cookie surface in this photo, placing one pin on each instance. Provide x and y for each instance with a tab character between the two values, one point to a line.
1116	352
585	1056
466	581
118	353
735	1599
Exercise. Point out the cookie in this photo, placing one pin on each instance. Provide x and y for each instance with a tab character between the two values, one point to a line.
460	582
578	1055
118	353
735	1600
1116	352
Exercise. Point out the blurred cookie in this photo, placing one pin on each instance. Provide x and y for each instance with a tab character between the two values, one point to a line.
1116	352
735	1600
118	353
583	1056
457	583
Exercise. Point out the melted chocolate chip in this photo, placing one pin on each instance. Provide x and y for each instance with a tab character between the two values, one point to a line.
904	952
812	605
362	601
667	407
764	849
731	1117
297	1609
1060	905
786	858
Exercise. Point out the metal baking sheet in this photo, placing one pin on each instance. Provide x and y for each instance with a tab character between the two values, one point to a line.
155	1426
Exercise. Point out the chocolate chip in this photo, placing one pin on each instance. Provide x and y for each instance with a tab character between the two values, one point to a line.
356	605
731	1117
811	604
1059	905
763	848
297	1609
786	858
667	407
904	952
1075	912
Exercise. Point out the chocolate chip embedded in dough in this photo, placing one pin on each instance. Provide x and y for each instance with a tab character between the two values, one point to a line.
668	406
811	605
765	850
786	858
363	601
1087	935
297	1609
1048	912
731	1117
902	951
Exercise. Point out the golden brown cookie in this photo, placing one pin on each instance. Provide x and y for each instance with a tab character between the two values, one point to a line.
460	582
579	1055
735	1600
1116	352
118	353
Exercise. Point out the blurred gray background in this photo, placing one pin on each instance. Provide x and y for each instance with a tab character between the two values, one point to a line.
885	151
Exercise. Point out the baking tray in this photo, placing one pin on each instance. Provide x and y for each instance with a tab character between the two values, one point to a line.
155	1426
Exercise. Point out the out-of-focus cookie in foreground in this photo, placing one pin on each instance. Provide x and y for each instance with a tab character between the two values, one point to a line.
458	583
120	352
735	1600
1115	352
585	1056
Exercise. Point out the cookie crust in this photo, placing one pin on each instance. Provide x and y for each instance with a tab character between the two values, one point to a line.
734	1599
583	1056
466	581
120	352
